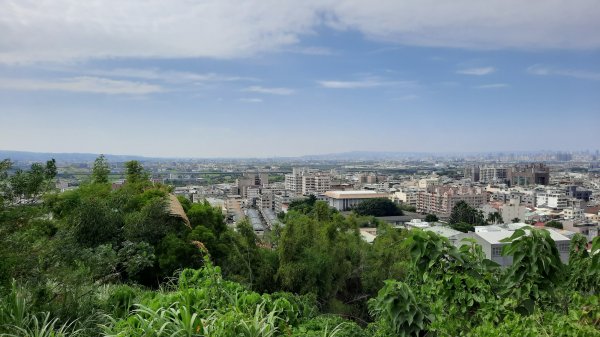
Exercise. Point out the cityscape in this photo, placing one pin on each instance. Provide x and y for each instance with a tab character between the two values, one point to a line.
220	168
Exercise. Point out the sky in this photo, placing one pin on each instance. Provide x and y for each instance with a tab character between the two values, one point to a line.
221	78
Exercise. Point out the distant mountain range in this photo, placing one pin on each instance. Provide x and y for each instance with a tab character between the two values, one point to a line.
67	157
341	156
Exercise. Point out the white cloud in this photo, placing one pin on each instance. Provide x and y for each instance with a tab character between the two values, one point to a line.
349	84
251	100
549	71
368	82
477	71
82	84
271	91
167	76
62	30
492	86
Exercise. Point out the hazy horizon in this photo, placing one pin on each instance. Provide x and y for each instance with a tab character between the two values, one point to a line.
276	79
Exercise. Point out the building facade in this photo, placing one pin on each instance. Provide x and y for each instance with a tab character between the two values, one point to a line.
530	174
346	200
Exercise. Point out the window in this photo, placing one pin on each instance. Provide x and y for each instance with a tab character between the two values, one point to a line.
563	247
497	251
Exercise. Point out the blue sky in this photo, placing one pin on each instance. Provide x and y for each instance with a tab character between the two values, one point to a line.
277	78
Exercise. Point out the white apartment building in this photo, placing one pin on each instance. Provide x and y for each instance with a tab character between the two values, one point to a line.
573	213
407	196
265	200
552	199
304	182
252	192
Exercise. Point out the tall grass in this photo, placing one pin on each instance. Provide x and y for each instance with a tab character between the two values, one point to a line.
17	319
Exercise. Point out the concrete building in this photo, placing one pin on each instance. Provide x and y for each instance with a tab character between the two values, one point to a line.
346	200
587	229
441	199
315	184
552	199
406	196
251	180
233	205
492	174
282	199
472	172
491	244
513	210
526	175
265	200
304	182
573	213
572	191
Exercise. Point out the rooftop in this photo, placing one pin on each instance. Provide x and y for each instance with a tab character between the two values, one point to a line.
494	237
362	194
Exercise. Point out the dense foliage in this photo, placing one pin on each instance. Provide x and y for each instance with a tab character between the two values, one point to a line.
98	261
464	213
377	207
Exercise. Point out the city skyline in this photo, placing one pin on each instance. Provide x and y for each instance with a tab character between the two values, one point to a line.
268	79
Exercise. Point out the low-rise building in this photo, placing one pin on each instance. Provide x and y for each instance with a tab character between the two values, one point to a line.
346	200
492	245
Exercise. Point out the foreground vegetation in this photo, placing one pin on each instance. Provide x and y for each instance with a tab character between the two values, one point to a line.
97	261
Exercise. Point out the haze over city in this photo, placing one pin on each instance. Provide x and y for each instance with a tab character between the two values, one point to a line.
288	78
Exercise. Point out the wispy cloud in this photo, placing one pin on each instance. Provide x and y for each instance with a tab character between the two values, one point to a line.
313	50
476	71
166	76
541	70
492	86
363	83
251	100
270	91
83	84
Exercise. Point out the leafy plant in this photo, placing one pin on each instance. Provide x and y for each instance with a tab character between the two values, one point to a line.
397	307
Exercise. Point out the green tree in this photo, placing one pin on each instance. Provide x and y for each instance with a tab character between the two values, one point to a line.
50	170
377	207
463	227
135	172
463	212
495	218
100	170
554	224
431	218
387	258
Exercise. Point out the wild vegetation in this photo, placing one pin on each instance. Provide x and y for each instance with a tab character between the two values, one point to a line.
98	261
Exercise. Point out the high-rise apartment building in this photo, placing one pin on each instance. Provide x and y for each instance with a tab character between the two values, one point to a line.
530	174
440	200
303	182
492	174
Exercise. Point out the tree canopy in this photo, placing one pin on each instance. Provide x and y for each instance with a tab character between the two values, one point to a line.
377	207
463	212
